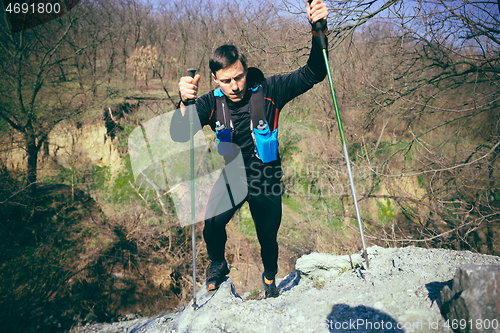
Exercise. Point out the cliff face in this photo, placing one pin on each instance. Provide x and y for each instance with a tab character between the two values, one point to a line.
72	144
398	293
69	145
88	141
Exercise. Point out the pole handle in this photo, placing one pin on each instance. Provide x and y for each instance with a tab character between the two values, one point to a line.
190	72
318	28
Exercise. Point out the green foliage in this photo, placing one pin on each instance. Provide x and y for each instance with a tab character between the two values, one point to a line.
65	176
353	149
333	205
99	176
96	177
319	284
326	210
253	294
122	192
376	182
246	222
291	202
156	208
288	143
4	126
422	181
122	139
386	213
344	269
386	148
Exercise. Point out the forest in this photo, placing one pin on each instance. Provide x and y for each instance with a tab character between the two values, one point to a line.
418	89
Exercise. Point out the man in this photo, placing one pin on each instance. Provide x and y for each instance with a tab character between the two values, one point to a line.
235	105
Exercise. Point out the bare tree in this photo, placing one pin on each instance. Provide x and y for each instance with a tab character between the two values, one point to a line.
36	92
444	95
417	86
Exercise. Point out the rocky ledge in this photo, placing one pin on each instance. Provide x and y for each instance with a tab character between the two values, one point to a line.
399	292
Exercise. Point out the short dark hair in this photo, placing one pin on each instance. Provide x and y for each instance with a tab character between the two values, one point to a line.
226	55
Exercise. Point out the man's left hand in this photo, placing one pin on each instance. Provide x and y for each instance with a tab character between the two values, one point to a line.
316	11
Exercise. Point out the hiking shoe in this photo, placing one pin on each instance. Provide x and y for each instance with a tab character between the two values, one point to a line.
216	274
270	289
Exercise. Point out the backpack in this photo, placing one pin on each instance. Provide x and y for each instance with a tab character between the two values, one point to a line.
265	141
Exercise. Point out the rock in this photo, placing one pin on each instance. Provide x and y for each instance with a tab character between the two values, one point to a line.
474	297
328	294
324	266
131	316
290	281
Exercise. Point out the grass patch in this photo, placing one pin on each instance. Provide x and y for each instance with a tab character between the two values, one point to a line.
247	226
386	213
254	294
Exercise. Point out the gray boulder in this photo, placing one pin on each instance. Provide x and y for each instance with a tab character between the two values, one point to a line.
473	303
325	266
325	294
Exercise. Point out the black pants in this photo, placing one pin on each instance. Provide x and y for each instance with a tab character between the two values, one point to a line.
264	200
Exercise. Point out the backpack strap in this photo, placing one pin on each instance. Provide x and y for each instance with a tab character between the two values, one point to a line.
268	142
223	114
257	112
256	108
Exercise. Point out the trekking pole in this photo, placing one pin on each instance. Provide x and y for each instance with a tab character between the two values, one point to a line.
191	72
317	26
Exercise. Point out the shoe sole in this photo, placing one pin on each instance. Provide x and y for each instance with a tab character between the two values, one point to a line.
214	286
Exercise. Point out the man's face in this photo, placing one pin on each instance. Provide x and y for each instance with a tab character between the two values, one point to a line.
232	81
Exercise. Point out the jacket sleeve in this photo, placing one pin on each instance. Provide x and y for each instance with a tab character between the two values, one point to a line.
179	126
286	87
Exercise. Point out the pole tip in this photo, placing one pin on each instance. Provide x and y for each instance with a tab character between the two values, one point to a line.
366	259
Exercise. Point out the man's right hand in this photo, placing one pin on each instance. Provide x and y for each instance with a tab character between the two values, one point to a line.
188	88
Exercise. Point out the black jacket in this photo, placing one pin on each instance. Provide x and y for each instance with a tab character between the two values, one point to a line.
277	90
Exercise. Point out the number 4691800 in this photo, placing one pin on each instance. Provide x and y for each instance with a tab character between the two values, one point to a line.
33	8
479	324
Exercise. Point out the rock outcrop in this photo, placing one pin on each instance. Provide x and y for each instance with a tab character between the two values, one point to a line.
473	303
398	293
